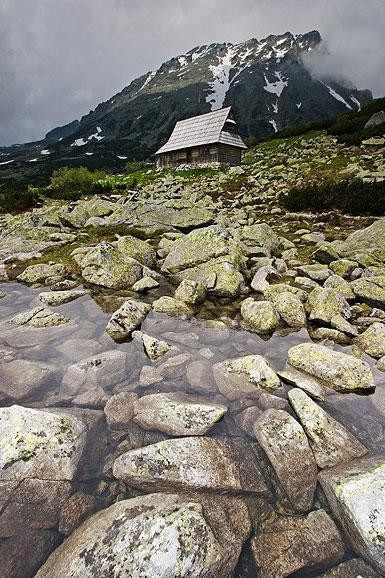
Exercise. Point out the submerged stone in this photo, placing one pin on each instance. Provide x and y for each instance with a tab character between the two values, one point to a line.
244	377
126	319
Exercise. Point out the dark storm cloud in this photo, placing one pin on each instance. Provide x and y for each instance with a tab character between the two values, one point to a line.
60	58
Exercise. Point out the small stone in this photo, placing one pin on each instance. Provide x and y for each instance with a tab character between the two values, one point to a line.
315	272
340	285
145	284
119	410
127	318
171	306
60	297
39	317
243	377
372	341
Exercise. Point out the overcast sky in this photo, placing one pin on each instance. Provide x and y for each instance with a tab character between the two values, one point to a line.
60	58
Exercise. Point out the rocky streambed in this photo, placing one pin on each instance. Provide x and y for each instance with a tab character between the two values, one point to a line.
203	395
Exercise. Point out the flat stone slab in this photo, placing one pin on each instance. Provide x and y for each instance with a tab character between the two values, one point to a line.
214	464
245	377
342	372
330	441
59	297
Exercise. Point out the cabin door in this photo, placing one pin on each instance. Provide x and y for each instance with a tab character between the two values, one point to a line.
189	156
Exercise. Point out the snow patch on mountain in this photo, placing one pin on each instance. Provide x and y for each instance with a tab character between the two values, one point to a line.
336	95
96	135
221	76
7	162
274	125
277	86
45	152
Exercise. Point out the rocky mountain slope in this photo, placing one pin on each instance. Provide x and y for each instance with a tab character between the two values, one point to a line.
265	81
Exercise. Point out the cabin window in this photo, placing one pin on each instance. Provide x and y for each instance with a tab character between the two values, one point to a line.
230	127
204	151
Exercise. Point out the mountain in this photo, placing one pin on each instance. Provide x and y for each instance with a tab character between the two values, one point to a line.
266	83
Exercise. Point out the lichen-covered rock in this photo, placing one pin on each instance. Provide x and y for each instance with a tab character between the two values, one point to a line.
190	292
261	235
370	240
338	370
330	441
273	291
330	307
172	306
259	316
356	495
329	334
136	249
106	266
370	290
310	385
60	297
39	317
39	444
343	267
372	341
290	544
340	285
177	414
154	348
219	276
22	379
39	274
287	449
87	382
315	272
157	536
145	284
126	319
201	246
213	464
289	308
244	377
173	367
261	279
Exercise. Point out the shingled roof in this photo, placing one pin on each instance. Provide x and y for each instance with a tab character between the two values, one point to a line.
201	130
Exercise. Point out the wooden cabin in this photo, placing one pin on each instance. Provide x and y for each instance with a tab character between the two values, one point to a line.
206	139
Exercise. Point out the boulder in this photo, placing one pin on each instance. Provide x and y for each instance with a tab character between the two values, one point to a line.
342	372
370	240
356	494
88	382
259	316
272	292
291	460
370	290
24	380
173	307
244	377
215	464
119	410
310	385
190	292
157	536
126	319
330	441
36	275
261	279
145	284
343	267
372	341
261	236
177	414
36	545
340	285
289	307
290	544
315	272
59	297
330	307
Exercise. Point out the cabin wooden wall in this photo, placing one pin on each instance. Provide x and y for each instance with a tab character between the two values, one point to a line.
215	153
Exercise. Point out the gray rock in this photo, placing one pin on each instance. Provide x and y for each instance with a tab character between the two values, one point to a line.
172	368
259	316
372	341
39	317
59	297
290	308
355	492
261	279
133	537
290	544
87	382
305	283
119	410
339	371
343	267
316	272
177	414
287	449
154	348
25	380
330	441
38	274
215	464
340	285
309	384
370	290
126	319
244	377
329	334
145	284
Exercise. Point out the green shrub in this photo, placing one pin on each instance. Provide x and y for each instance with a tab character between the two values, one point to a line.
354	197
18	198
71	182
135	166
